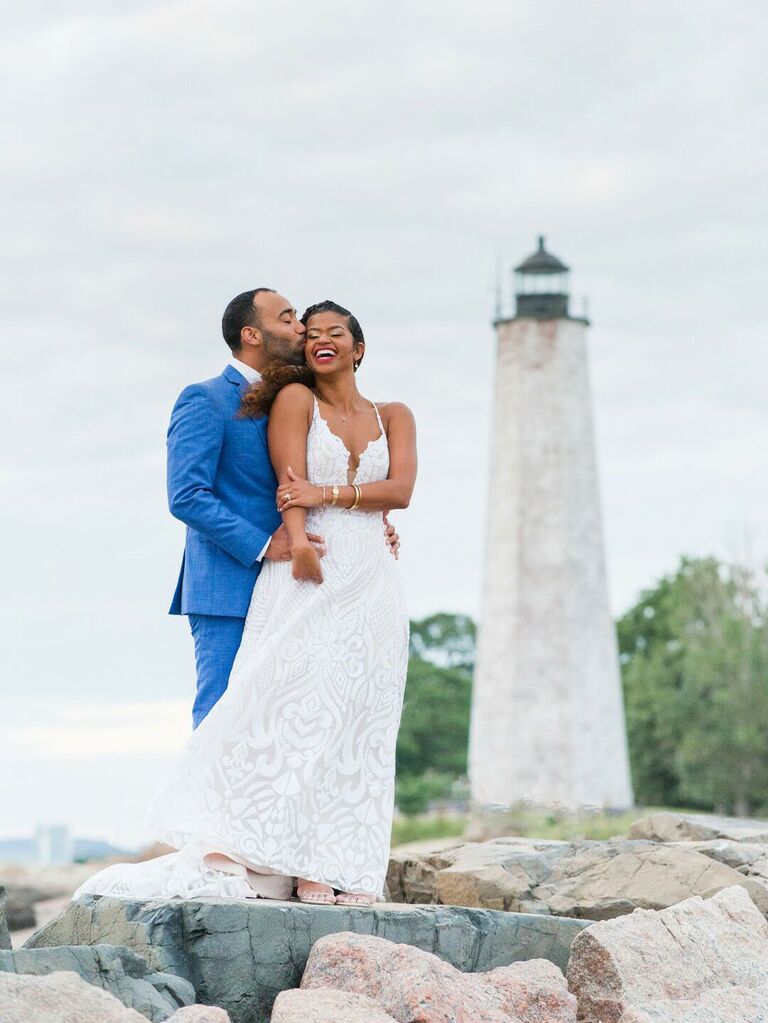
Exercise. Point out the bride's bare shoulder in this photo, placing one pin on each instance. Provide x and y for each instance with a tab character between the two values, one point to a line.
394	412
293	396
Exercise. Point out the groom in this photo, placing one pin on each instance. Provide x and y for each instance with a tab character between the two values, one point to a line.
222	486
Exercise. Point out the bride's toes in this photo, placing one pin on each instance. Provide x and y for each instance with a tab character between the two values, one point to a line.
314	891
353	899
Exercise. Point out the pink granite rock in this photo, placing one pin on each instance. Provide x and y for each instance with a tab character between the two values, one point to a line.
418	987
327	1005
64	997
697	961
535	991
736	1005
59	998
200	1014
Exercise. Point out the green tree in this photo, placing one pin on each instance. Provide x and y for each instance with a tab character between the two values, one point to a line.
434	728
413	793
694	656
724	751
651	658
445	639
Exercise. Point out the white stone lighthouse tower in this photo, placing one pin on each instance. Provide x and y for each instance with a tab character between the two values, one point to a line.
547	710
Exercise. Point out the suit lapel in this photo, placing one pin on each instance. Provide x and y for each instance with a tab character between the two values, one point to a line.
241	386
234	377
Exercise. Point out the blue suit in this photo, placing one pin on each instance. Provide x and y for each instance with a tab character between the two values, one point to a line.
222	486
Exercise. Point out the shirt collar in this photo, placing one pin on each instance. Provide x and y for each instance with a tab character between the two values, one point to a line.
250	374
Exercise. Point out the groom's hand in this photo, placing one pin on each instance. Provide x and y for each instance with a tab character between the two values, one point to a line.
280	550
393	540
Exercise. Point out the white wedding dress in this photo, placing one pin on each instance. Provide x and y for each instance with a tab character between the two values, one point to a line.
291	774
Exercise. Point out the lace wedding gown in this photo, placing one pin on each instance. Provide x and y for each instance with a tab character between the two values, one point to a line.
291	774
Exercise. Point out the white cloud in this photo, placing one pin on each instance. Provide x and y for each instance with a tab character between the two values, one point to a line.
57	731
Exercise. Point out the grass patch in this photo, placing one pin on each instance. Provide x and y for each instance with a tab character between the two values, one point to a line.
563	826
413	829
526	822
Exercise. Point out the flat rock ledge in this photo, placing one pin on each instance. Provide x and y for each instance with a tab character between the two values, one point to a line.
241	955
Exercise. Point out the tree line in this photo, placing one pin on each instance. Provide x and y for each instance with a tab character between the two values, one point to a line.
694	662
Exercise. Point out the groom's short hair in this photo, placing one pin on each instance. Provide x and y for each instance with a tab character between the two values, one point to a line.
240	313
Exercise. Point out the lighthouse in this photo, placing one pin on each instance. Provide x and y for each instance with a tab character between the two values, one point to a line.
547	722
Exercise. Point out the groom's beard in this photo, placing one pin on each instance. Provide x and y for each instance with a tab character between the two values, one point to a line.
282	350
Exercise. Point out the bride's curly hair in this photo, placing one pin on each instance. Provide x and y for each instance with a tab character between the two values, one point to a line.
257	401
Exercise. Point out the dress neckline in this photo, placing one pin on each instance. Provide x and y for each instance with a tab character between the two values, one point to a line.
354	469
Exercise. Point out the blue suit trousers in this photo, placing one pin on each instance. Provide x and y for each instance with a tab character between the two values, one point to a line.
217	639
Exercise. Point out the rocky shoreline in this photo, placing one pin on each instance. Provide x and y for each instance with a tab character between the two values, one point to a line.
666	925
666	858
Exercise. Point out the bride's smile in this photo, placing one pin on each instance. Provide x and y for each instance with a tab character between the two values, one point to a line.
330	346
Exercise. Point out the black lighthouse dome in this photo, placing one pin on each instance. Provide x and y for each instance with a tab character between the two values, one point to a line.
541	290
541	262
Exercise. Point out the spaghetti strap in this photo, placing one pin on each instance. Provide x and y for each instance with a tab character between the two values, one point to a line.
378	417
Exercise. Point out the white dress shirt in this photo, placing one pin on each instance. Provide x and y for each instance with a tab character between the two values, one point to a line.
251	375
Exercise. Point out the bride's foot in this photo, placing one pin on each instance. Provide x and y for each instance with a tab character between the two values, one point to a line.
353	899
315	892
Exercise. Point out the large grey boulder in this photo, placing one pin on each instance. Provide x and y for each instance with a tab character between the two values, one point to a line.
596	880
119	971
418	987
5	938
667	826
241	954
701	961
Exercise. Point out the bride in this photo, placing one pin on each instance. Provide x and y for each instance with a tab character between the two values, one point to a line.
291	774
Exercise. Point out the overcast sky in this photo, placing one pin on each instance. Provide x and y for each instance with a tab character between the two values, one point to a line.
158	158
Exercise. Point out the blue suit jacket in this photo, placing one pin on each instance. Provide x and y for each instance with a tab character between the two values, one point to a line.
222	485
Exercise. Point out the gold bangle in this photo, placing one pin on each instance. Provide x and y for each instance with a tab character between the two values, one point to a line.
358	495
335	493
324	497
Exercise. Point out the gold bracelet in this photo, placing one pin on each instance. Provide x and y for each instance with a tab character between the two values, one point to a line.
358	495
325	500
335	493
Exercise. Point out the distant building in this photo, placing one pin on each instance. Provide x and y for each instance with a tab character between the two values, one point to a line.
54	845
547	713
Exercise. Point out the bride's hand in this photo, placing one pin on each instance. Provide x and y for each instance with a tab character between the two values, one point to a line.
306	564
298	493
